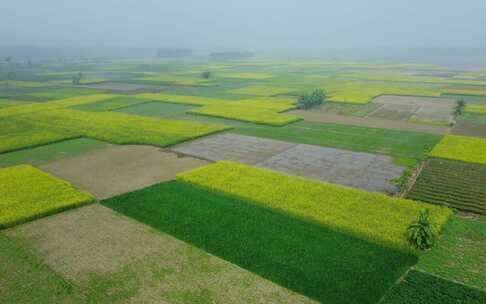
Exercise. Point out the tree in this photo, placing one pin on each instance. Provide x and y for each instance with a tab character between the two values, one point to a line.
460	104
317	97
206	74
77	78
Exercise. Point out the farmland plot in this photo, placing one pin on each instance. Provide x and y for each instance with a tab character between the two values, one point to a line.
261	90
17	134
122	87
28	193
121	128
120	169
284	249
93	255
422	288
355	138
252	110
370	122
331	205
245	149
362	170
460	254
469	129
415	109
46	153
463	148
452	183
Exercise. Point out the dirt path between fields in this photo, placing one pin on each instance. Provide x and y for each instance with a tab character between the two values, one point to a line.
371	122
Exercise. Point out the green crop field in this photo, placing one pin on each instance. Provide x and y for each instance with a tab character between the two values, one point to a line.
248	75
109	105
334	206
5	103
395	143
451	183
45	153
28	193
472	118
460	253
17	133
313	260
421	288
463	148
63	93
262	90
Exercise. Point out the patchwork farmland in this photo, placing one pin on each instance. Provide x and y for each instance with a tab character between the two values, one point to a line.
176	181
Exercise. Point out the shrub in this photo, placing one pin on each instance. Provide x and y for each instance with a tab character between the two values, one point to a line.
315	98
420	234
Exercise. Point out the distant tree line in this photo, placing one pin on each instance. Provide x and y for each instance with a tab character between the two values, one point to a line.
230	55
317	97
174	53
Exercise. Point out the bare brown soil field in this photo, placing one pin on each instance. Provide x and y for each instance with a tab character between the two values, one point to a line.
114	259
371	122
469	129
119	169
395	111
418	108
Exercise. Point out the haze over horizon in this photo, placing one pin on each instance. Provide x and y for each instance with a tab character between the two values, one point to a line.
261	25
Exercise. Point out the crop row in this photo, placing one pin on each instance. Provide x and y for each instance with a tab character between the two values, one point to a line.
456	184
420	287
453	202
342	208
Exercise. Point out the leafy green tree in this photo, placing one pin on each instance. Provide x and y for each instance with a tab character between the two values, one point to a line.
77	78
460	104
317	97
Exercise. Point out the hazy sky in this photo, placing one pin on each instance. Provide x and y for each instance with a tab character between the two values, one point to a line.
250	24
